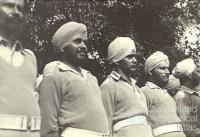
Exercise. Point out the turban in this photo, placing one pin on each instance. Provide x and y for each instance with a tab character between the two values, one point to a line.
173	85
154	61
66	33
184	68
120	48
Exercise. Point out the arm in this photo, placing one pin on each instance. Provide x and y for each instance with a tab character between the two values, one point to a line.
108	98
35	66
49	101
184	112
150	106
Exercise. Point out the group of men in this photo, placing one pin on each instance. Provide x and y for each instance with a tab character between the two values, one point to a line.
72	104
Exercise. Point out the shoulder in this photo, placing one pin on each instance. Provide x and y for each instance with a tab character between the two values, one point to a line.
108	85
55	74
148	92
29	52
180	95
108	82
146	89
50	67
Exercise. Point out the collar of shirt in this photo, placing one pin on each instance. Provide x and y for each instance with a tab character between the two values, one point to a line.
65	67
190	91
17	46
154	86
3	41
117	77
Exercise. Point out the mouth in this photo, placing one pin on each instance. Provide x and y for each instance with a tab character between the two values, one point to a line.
166	77
83	54
14	19
133	65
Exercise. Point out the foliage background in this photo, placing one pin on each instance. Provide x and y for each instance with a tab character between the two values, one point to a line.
171	26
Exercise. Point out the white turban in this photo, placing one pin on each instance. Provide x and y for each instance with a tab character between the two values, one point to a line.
120	48
184	68
66	33
154	61
173	84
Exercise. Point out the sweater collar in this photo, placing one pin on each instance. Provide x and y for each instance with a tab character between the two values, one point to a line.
116	76
65	67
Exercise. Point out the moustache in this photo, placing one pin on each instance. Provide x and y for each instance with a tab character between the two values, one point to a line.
82	50
14	19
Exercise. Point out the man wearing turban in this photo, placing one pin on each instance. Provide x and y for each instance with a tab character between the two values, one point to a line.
125	104
70	98
161	106
187	98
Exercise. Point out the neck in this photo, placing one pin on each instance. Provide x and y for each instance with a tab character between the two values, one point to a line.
75	67
189	85
123	75
161	85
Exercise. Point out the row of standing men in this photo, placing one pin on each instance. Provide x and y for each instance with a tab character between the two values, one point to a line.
70	100
73	105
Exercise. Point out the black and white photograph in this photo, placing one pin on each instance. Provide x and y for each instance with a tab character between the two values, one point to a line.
100	68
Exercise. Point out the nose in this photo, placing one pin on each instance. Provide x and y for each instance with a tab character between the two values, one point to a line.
17	12
134	60
83	46
167	71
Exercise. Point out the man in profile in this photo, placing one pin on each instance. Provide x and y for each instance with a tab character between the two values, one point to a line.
70	98
124	102
161	106
187	98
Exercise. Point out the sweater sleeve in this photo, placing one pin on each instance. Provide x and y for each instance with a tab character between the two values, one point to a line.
49	101
183	110
108	98
146	92
35	65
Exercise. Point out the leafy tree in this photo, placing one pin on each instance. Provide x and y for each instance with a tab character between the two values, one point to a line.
152	24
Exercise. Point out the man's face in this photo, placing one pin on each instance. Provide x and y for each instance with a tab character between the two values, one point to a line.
129	63
195	77
76	51
160	74
11	13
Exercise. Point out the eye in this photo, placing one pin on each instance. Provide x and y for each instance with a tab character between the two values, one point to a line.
8	5
163	68
130	56
20	8
77	41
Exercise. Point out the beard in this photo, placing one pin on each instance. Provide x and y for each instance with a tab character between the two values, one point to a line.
11	24
14	24
76	60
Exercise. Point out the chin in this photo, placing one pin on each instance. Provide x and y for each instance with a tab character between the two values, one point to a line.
133	74
81	60
165	82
